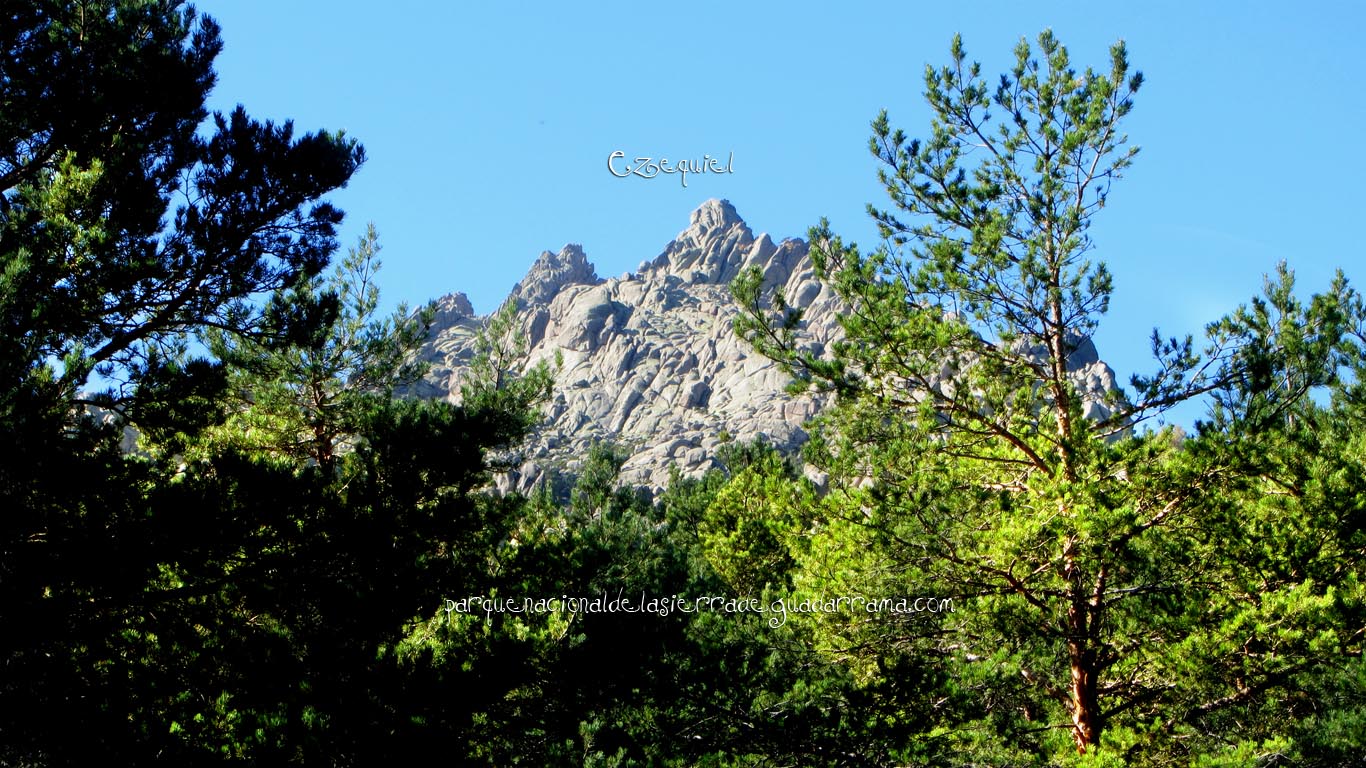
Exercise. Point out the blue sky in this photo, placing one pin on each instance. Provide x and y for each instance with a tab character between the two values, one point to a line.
488	128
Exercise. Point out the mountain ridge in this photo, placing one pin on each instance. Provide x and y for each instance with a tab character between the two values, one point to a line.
649	360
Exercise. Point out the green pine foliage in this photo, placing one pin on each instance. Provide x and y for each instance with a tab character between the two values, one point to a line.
302	384
1123	596
268	580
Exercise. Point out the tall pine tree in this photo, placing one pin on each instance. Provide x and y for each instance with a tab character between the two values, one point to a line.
129	218
969	454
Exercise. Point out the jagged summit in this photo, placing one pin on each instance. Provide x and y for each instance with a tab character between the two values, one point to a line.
552	272
451	308
714	214
718	245
651	362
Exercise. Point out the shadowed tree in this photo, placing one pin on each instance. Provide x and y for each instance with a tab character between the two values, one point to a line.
302	389
129	219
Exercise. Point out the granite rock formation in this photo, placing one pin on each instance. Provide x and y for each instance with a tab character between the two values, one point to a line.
650	361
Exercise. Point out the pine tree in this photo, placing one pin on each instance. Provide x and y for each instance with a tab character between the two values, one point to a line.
123	227
302	387
130	218
966	455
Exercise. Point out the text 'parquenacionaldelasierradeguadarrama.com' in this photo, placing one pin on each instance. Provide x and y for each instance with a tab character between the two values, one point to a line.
778	610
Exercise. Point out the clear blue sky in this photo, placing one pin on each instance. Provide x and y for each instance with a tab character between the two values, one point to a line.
488	127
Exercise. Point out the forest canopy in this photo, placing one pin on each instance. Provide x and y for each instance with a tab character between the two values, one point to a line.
228	538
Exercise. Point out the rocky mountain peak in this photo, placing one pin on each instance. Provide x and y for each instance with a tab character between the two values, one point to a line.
718	245
714	214
651	362
552	272
452	308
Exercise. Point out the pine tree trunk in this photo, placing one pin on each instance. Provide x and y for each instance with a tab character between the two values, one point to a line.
1086	727
1082	656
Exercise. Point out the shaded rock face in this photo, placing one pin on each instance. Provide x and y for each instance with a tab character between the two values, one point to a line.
650	360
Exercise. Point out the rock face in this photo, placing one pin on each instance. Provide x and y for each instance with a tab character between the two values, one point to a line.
650	360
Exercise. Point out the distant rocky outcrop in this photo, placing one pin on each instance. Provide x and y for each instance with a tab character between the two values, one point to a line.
650	360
